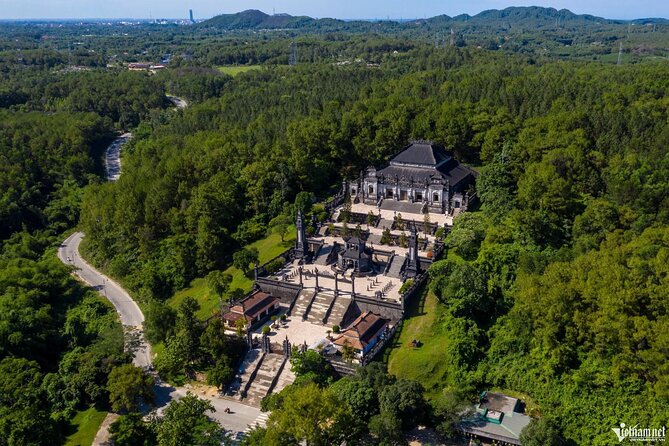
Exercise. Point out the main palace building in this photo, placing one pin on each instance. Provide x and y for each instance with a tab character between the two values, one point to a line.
424	173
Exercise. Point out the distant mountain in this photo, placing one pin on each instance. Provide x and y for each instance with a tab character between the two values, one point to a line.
254	19
525	16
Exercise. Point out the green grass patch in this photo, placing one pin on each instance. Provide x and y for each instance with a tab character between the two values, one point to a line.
268	248
85	425
271	246
427	363
234	70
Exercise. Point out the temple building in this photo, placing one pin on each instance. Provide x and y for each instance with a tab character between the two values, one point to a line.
254	309
363	333
423	172
497	419
355	255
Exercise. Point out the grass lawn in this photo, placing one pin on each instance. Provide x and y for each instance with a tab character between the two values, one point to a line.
234	70
268	248
427	363
85	425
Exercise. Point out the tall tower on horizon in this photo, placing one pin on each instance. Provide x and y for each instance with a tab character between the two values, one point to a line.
190	14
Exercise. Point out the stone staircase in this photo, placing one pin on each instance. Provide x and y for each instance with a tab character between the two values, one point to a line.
339	307
320	307
302	303
263	380
395	269
323	254
383	223
247	367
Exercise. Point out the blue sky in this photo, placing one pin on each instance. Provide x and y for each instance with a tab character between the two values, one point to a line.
346	9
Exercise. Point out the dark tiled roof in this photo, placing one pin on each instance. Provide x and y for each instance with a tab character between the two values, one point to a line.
254	304
452	171
362	330
422	152
498	402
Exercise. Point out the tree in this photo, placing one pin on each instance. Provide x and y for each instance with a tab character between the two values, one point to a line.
449	409
387	428
399	222
304	201
371	219
215	343
467	234
127	386
427	226
245	257
347	352
345	214
310	414
540	432
311	365
185	422
221	374
359	395
240	326
218	283
132	430
403	242
24	415
159	322
404	399
386	237
280	225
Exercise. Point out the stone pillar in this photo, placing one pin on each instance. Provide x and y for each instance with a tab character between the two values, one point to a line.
249	339
413	264
336	275
353	285
301	245
255	271
299	270
316	271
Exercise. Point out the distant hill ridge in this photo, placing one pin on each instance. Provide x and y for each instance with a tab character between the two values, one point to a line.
515	15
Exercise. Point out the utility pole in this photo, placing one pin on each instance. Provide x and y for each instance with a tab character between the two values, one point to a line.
620	54
292	58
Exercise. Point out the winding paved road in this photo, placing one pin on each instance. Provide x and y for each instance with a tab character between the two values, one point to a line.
127	309
113	157
132	319
242	416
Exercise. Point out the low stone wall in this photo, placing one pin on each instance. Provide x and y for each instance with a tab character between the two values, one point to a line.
285	291
389	310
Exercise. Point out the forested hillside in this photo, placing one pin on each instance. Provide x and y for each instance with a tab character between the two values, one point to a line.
555	289
59	341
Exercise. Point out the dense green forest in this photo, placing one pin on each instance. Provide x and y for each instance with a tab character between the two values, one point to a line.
556	288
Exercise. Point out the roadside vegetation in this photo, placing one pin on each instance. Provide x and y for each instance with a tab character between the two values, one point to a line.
555	289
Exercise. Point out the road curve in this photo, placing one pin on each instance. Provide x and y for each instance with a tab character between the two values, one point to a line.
242	416
113	157
132	319
127	309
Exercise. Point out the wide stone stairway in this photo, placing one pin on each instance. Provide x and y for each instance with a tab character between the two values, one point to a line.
263	380
338	311
395	269
302	303
320	307
323	254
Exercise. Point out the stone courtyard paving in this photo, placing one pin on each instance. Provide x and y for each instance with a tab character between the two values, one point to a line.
297	330
362	208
